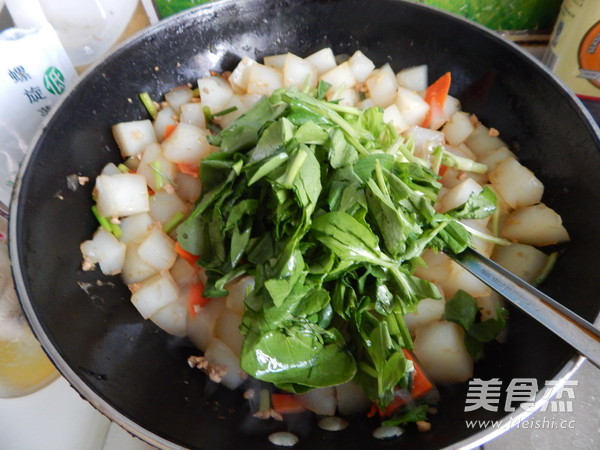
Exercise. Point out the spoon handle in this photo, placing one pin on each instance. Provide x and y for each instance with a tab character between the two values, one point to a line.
576	331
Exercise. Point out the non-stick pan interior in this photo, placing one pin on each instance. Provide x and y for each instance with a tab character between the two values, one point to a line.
135	371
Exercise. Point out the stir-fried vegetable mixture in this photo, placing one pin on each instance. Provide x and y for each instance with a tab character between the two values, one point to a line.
327	207
292	219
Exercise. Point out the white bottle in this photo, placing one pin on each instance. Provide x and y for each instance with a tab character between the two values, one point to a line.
86	28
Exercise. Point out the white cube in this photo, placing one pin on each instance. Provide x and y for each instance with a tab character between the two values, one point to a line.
121	195
133	137
154	294
158	249
187	144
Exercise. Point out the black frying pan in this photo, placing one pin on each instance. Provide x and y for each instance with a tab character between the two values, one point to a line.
135	373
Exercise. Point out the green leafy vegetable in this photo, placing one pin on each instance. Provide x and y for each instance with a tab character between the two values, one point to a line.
414	414
328	208
462	309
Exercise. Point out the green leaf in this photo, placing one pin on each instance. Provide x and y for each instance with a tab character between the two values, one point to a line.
290	270
348	238
391	222
246	207
461	309
341	153
244	132
461	163
239	243
365	165
477	206
452	237
328	208
268	167
270	142
488	329
307	183
287	355
311	133
313	302
322	89
415	413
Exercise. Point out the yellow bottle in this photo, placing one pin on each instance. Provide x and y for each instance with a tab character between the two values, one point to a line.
24	367
574	49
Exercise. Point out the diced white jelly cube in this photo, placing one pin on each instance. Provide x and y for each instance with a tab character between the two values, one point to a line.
263	80
339	77
517	185
164	205
227	329
214	92
428	311
496	157
525	261
361	66
110	169
237	294
188	186
121	195
320	400
183	272
179	96
250	99
441	350
482	142
346	97
154	294
135	269
414	78
133	137
275	61
323	60
392	115
164	118
365	103
298	72
458	128
135	227
451	106
154	164
193	114
105	250
186	144
461	278
173	317
425	140
489	305
437	267
536	225
240	108
218	353
483	246
158	249
201	326
239	77
382	86
412	106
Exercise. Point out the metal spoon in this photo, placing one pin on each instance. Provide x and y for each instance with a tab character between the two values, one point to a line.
576	331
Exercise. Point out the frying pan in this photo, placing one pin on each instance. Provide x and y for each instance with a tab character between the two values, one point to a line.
136	374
